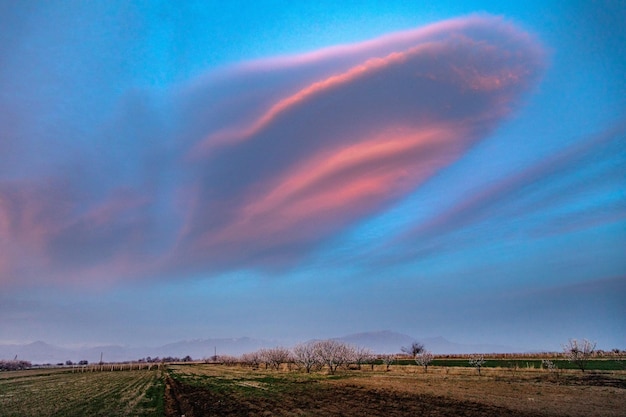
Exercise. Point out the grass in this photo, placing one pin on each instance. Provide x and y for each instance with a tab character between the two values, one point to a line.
243	381
405	390
450	387
154	397
592	365
121	393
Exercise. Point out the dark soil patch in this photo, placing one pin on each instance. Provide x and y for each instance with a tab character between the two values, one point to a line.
318	400
602	380
588	379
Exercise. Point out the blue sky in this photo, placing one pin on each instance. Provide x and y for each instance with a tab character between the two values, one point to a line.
290	170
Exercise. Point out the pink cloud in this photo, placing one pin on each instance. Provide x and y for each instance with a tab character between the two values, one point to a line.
476	59
328	190
274	157
347	144
45	238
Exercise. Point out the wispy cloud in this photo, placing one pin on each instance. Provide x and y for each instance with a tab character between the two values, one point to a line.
573	189
265	161
343	147
571	160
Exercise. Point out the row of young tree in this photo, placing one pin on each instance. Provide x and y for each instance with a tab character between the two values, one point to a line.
310	356
323	354
328	354
333	354
165	359
15	365
578	352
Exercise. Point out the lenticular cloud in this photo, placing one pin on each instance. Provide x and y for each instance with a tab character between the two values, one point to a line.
352	129
272	157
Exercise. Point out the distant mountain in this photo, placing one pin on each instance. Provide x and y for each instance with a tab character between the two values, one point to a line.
40	352
440	345
204	348
384	341
391	342
36	352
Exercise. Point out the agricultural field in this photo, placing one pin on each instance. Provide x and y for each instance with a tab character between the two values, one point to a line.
210	390
200	389
61	392
526	363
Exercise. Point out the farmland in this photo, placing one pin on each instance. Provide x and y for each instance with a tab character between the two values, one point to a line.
61	392
201	389
403	391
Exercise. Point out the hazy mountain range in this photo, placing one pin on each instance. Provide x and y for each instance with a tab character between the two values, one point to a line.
379	342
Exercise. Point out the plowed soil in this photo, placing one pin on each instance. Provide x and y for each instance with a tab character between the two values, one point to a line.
215	391
324	400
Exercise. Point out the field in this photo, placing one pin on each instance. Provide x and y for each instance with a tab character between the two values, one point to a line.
60	392
404	390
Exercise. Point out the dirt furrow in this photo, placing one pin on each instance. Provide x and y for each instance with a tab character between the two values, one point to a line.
320	400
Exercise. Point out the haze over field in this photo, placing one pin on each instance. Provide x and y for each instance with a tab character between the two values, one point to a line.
294	171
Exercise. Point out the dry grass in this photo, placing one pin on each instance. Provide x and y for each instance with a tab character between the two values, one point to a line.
62	393
203	389
405	390
528	390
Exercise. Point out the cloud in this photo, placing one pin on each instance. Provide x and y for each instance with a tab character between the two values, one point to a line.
262	162
575	188
581	164
336	150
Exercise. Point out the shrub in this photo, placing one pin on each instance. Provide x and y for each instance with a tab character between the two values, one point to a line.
579	352
477	361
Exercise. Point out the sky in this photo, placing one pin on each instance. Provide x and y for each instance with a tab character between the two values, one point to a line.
294	170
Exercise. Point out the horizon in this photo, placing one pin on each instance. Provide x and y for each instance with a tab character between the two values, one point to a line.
365	339
174	172
381	342
271	340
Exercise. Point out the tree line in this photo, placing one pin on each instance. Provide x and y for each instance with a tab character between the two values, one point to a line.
15	365
309	356
333	354
319	354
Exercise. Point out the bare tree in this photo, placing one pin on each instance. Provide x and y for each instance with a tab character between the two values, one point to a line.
477	361
414	349
579	352
424	359
227	360
361	355
14	365
263	357
551	367
372	361
305	356
253	359
274	357
388	360
333	354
